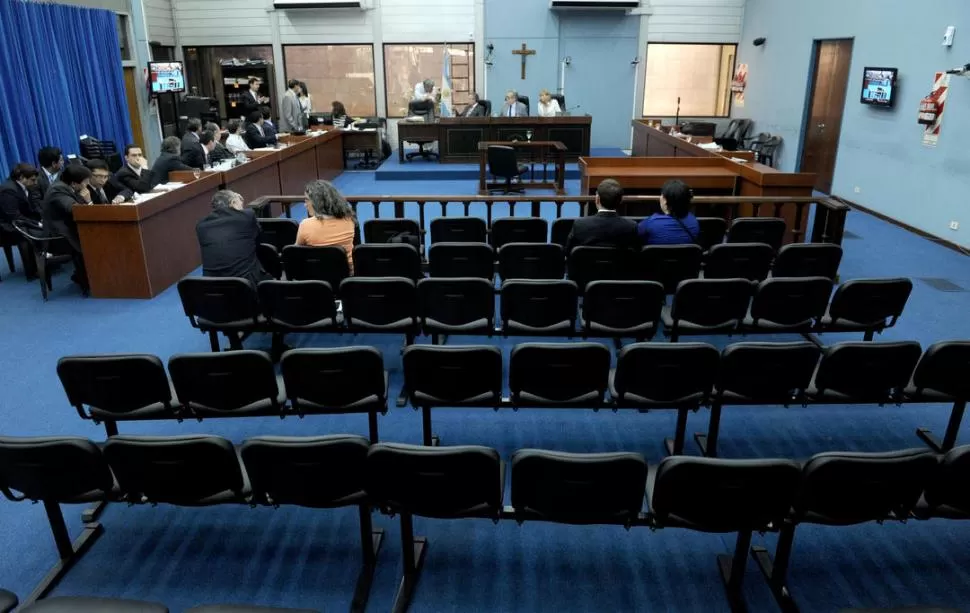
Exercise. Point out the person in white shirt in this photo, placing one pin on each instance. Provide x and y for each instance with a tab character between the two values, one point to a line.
235	142
548	106
425	91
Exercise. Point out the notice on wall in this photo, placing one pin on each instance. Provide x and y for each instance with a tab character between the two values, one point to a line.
739	83
941	85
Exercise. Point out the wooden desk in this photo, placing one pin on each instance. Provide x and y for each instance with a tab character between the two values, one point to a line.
538	155
139	250
647	175
651	142
361	140
252	179
415	132
298	165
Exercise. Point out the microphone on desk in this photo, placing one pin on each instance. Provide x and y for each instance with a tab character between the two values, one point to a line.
569	110
677	117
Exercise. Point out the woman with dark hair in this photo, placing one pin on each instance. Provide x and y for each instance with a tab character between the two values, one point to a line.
339	114
675	224
330	220
306	102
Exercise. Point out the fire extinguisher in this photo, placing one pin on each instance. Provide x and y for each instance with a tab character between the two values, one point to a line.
929	109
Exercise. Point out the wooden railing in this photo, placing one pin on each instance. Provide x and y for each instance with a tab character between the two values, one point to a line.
827	227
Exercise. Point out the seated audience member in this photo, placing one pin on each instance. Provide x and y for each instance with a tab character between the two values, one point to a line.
330	220
548	106
16	203
228	238
475	109
193	154
268	128
339	114
255	135
134	177
218	152
235	142
168	161
96	193
51	163
675	224
606	228
58	213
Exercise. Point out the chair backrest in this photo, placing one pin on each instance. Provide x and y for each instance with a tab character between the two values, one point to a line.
671	374
62	469
558	374
791	301
298	304
524	100
387	260
461	260
303	470
443	482
305	263
502	161
218	300
269	259
560	99
622	306
463	304
808	260
421	108
280	233
947	492
944	369
518	230
750	261
867	371
117	384
383	230
870	301
774	373
538	307
458	230
531	261
561	228
600	263
469	375
843	488
488	106
757	144
192	470
670	264
224	382
718	495
768	230
712	231
334	380
711	302
379	302
699	128
578	488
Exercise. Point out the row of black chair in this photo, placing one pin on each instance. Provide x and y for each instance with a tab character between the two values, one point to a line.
681	376
703	494
666	264
87	604
613	309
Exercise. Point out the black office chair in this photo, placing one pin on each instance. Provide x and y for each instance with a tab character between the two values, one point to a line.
698	128
46	251
503	163
235	383
299	306
387	260
425	109
464	305
707	306
669	264
751	261
621	309
578	488
459	230
767	230
279	233
559	375
941	376
561	100
808	260
381	304
946	493
461	260
713	231
221	304
561	228
734	134
306	263
788	304
864	372
587	264
866	305
269	259
539	307
518	230
768	151
524	100
530	261
383	230
9	602
340	380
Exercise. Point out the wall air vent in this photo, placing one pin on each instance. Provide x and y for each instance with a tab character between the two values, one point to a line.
593	5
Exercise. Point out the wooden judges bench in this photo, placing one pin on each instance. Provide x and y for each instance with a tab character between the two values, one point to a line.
458	137
139	250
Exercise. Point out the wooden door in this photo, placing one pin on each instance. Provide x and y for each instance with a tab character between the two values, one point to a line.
131	93
824	120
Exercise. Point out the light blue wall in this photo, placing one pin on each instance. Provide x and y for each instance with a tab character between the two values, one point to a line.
600	78
880	151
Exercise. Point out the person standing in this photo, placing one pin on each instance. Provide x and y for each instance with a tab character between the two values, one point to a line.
58	213
291	113
425	91
228	238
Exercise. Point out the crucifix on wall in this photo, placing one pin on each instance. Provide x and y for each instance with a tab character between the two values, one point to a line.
524	52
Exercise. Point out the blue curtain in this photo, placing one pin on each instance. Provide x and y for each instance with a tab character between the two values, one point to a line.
60	77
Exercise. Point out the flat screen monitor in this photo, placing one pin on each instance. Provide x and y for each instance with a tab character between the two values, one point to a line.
879	86
166	77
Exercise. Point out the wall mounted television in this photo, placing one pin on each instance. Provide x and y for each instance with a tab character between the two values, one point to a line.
879	86
166	77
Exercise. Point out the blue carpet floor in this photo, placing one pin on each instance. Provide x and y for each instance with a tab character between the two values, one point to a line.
302	558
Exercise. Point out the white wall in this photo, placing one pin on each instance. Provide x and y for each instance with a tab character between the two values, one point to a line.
161	24
694	21
223	22
325	26
437	21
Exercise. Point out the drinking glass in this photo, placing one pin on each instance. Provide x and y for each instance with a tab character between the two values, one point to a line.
196	173
528	135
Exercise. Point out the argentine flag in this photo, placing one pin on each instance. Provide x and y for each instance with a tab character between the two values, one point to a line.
445	105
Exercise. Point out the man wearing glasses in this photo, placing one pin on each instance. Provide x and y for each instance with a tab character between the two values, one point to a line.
99	178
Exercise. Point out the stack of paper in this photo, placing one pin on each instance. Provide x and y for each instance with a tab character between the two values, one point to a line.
167	187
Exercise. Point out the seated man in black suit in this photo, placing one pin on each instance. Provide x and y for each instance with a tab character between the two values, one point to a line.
96	193
475	109
219	151
17	204
606	228
51	162
255	135
228	238
168	161
268	127
192	151
132	178
58	212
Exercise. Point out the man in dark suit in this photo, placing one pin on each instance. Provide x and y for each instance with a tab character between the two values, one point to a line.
475	109
132	178
268	128
255	135
17	204
51	162
58	212
252	100
228	238
219	151
168	161
192	151
606	228
96	193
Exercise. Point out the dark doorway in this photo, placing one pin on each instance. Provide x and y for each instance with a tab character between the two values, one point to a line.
823	123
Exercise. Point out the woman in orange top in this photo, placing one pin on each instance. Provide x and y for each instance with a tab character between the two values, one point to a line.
330	220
